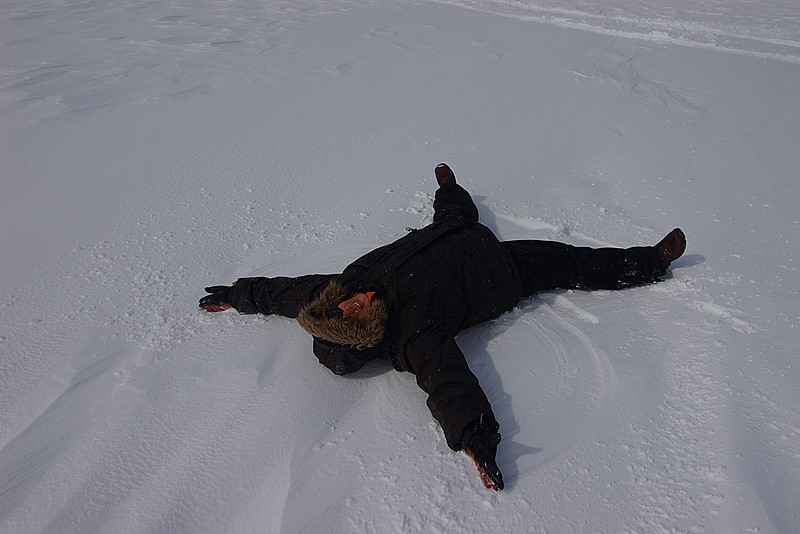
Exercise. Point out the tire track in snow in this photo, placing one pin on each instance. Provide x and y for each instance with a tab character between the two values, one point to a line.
748	36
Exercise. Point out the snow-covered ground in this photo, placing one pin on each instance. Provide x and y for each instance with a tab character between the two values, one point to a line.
151	148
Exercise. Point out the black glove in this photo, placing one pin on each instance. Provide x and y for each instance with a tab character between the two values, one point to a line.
218	299
481	445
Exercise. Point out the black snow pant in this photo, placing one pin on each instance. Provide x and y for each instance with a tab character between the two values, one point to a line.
548	265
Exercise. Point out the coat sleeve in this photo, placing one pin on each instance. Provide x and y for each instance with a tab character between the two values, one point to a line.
280	295
455	397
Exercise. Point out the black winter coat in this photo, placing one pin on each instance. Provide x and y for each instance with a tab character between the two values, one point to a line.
436	281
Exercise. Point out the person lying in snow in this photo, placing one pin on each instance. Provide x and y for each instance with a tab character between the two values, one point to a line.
407	301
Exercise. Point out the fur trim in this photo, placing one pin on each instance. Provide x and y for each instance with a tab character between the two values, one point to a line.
356	334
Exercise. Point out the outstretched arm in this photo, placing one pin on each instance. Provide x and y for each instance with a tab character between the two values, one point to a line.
281	295
456	400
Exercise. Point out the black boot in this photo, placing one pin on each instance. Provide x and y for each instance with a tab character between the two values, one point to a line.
671	247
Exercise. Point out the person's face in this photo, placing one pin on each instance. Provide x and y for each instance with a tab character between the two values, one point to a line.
357	307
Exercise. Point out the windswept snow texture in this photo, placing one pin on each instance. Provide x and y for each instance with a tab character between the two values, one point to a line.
152	148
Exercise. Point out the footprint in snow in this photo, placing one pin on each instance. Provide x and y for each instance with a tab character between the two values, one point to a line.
723	315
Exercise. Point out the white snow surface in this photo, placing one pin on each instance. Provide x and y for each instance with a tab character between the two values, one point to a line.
152	148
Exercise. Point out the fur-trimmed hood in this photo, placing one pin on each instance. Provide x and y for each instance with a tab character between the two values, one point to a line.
342	331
